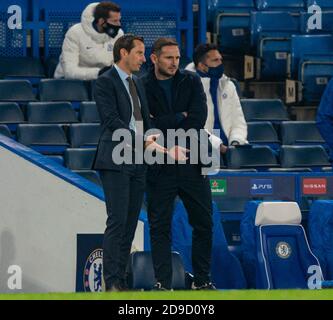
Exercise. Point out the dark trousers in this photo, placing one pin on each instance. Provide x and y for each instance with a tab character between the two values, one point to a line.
194	190
123	195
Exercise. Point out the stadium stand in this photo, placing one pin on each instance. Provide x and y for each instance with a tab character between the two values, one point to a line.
10	113
5	131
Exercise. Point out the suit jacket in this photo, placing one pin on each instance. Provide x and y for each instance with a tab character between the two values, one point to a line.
115	110
187	96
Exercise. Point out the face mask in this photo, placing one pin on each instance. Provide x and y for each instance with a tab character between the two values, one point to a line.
111	30
215	72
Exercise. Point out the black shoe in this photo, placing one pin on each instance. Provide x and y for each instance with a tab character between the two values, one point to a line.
158	287
205	286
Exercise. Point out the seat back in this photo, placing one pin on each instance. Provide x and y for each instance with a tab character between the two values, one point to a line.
84	134
264	110
300	132
16	90
51	112
10	112
262	133
258	157
64	90
79	159
142	275
89	112
276	254
304	156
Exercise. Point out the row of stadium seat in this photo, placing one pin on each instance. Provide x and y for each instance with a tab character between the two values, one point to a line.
260	158
48	112
291	132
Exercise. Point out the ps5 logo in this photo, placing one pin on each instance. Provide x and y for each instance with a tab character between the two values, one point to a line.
15	20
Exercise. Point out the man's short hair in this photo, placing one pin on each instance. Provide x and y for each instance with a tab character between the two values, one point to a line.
103	9
163	42
200	52
124	42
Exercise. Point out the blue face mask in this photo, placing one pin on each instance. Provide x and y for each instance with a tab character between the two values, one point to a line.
215	72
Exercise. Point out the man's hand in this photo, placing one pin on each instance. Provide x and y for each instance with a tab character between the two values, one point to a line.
178	153
152	145
223	148
185	114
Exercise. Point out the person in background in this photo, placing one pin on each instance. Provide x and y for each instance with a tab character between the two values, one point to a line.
324	118
224	109
88	46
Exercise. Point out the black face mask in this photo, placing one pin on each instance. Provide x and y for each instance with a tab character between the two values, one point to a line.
111	30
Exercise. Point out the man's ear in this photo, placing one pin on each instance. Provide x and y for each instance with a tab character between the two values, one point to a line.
123	52
201	67
153	58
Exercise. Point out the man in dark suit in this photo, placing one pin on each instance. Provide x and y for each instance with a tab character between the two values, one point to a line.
177	100
122	105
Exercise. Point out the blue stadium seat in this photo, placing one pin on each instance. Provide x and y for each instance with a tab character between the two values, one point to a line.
263	133
308	45
44	138
226	271
79	159
90	175
84	135
314	157
271	33
64	90
321	234
51	112
16	90
5	131
258	157
264	110
280	5
10	112
275	251
22	68
300	133
141	271
89	112
231	23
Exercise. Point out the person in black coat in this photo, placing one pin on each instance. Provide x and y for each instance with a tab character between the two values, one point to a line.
122	105
176	100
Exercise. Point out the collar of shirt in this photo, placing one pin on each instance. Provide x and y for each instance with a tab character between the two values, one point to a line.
122	74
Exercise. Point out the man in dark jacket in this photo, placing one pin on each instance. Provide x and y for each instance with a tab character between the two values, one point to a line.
177	100
122	105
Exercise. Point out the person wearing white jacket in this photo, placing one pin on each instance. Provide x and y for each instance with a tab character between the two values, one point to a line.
224	109
88	46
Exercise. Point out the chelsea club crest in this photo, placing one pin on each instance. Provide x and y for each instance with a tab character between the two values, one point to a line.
283	250
92	276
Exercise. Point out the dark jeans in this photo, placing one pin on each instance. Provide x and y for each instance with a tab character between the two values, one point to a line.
123	195
194	191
